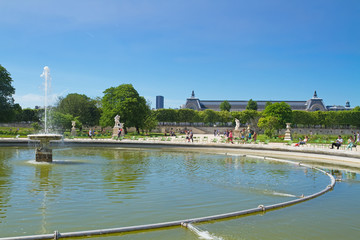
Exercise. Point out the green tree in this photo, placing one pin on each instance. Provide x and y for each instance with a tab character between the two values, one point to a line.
80	106
282	111
6	99
150	122
252	105
126	102
251	117
30	115
16	113
225	116
186	115
269	124
267	104
166	115
61	120
225	106
209	116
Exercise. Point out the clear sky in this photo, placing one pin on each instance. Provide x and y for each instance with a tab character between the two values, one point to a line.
221	49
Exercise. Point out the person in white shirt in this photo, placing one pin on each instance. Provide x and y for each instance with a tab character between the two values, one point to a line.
338	143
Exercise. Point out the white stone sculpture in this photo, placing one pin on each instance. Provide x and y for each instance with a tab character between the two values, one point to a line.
237	121
117	121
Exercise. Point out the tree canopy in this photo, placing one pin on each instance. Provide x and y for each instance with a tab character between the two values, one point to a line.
126	102
252	105
225	106
275	117
6	100
80	106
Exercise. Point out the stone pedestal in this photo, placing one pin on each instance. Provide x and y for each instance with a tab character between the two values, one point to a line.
73	129
73	132
237	133
288	132
116	130
43	155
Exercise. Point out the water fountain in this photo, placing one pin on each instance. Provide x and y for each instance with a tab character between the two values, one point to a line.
43	151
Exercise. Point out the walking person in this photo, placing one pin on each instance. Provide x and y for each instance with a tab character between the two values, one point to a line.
119	133
90	133
255	136
230	137
187	133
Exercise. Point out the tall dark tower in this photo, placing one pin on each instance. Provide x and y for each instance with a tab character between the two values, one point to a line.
159	102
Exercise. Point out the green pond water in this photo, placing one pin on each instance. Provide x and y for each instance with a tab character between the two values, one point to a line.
98	188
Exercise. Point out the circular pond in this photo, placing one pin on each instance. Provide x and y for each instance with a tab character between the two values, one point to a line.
97	188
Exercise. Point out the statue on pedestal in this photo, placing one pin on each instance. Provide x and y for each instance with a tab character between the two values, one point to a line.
237	130
73	129
117	129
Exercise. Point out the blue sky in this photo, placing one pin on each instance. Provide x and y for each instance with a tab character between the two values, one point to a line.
223	50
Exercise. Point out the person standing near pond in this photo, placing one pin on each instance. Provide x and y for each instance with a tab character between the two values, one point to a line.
338	143
119	133
191	136
90	133
230	138
350	143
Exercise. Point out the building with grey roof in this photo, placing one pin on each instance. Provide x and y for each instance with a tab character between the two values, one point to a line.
313	104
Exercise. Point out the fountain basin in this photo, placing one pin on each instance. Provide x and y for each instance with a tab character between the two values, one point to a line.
44	152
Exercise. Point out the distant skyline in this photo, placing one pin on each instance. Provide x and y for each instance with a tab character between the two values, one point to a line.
223	50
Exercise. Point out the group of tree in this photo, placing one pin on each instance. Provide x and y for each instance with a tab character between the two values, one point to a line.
126	102
135	112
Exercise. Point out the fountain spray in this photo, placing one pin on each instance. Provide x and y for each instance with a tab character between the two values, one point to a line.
47	78
44	152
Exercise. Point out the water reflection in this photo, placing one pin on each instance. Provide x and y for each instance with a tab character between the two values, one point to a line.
342	175
5	180
123	173
89	188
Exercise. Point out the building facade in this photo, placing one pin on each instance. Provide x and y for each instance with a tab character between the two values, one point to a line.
313	104
159	102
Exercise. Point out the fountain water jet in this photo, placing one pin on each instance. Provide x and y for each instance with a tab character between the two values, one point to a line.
44	152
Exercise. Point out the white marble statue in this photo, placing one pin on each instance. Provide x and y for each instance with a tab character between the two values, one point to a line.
237	126
117	121
73	123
